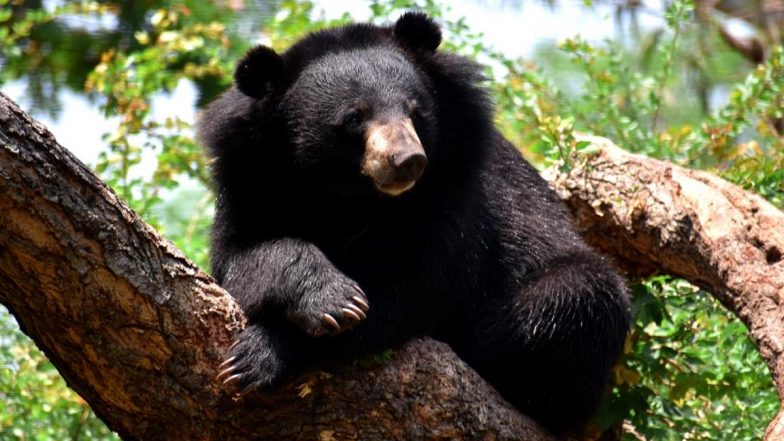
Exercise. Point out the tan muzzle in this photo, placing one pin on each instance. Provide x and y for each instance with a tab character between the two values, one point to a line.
394	158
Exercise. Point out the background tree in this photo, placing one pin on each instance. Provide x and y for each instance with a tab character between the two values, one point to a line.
684	93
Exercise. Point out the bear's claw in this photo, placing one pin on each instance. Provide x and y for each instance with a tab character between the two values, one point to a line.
363	305
228	360
357	310
359	290
232	378
328	319
225	372
350	314
335	305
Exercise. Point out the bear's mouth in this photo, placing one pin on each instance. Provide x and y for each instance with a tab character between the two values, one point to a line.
396	190
394	157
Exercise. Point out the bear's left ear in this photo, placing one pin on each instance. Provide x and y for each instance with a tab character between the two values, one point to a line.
258	72
418	31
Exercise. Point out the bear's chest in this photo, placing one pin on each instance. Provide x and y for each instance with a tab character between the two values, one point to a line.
440	262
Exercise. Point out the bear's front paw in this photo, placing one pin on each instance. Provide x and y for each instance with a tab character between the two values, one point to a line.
330	307
254	361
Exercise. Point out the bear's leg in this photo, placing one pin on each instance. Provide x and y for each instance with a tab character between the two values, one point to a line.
296	279
288	290
549	347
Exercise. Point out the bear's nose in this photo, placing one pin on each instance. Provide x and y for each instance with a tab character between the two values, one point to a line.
408	165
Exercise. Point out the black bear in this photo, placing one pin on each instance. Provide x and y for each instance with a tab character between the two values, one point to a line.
364	198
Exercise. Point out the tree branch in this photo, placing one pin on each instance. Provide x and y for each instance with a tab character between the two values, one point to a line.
655	217
138	331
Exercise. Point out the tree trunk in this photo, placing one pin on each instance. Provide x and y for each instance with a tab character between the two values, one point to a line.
139	331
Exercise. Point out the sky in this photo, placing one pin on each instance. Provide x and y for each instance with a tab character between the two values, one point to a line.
512	29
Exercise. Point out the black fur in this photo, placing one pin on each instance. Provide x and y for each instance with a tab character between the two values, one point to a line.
417	32
258	72
479	254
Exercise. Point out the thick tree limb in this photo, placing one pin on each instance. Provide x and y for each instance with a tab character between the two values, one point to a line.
655	217
139	331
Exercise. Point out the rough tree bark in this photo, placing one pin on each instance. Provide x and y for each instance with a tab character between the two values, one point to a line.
138	331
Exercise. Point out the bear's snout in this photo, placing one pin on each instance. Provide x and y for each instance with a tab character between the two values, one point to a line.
409	165
394	157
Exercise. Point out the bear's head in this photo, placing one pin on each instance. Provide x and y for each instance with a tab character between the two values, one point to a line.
358	109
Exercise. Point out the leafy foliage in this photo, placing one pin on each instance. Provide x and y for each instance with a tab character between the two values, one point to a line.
679	93
636	99
690	372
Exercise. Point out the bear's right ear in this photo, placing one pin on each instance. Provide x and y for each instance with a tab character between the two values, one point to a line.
258	72
418	31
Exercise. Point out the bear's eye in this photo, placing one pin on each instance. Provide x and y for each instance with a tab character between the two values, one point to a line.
353	118
412	106
415	111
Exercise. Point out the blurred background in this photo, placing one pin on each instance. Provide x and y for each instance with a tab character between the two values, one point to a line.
696	82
